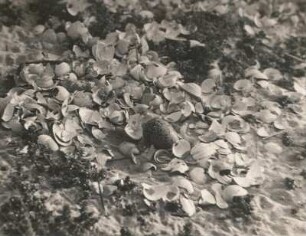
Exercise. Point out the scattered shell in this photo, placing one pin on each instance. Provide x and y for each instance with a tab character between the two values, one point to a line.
191	88
217	190
61	135
208	85
148	166
233	138
187	109
176	165
165	192
162	156
174	117
102	158
103	51
235	124
273	148
220	171
243	85
39	29
83	99
187	206
262	132
76	30
155	70
47	142
181	148
61	93
206	198
183	183
197	175
134	127
232	191
255	73
138	73
130	150
62	69
266	116
203	151
8	112
169	80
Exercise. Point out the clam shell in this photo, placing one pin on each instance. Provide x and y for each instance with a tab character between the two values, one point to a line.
244	85
62	69
255	73
134	127
204	151
47	142
191	88
176	165
232	191
169	80
183	183
207	198
181	148
129	149
62	93
138	73
103	51
198	175
162	156
155	70
208	85
187	206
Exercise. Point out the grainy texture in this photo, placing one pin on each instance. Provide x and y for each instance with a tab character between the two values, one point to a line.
159	133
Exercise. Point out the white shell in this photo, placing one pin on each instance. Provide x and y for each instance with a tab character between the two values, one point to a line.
232	191
203	151
198	175
181	148
62	69
48	142
191	88
62	93
187	205
176	165
207	198
181	182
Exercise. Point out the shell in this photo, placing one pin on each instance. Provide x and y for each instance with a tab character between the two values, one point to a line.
155	70
61	93
232	191
207	198
191	88
162	156
83	99
62	69
129	149
176	165
208	85
183	183
181	148
134	128
197	175
47	142
243	85
203	151
188	205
